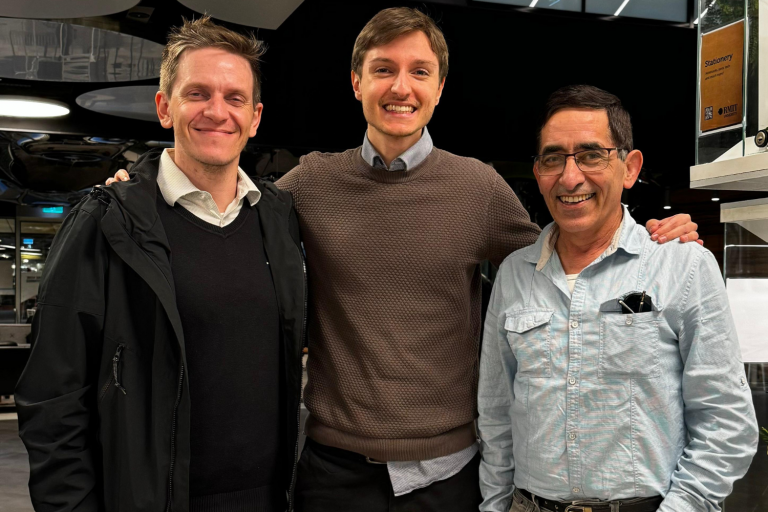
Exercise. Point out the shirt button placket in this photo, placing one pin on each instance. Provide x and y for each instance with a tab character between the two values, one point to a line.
575	340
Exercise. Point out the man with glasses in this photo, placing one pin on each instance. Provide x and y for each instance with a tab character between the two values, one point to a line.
610	375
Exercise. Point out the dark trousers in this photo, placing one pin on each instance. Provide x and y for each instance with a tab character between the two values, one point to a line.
334	480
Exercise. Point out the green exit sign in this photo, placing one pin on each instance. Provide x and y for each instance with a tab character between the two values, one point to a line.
53	209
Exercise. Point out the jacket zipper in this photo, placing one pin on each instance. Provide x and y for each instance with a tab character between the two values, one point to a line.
173	439
115	365
113	375
298	411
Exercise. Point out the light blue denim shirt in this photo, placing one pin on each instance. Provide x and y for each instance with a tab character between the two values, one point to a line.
579	400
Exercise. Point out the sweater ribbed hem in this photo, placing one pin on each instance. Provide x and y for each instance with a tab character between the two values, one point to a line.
259	499
422	448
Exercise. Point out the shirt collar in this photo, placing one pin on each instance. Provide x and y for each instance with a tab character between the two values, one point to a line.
174	184
412	157
625	237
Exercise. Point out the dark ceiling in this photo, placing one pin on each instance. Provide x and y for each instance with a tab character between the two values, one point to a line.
504	63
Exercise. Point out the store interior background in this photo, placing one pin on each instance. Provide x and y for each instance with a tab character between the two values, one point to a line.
505	60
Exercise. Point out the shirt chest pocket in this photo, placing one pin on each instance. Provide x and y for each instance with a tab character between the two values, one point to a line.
629	345
529	336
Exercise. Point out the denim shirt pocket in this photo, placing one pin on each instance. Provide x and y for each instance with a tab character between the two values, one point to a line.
529	336
629	345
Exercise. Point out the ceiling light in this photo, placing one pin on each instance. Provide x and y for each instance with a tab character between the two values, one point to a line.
621	7
11	106
533	3
667	202
715	196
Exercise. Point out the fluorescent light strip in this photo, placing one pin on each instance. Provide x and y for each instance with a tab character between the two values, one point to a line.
533	4
621	8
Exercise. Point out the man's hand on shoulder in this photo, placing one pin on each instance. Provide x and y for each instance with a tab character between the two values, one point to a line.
121	175
678	226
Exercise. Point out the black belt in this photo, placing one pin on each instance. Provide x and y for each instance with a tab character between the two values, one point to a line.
624	505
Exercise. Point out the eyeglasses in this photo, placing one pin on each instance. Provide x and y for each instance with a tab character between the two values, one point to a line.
588	160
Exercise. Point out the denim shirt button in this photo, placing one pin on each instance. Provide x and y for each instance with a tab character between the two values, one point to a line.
629	320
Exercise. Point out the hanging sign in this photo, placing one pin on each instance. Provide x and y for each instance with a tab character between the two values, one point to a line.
722	76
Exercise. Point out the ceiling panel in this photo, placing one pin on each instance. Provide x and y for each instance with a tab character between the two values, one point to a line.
54	9
264	13
63	52
133	102
665	10
558	5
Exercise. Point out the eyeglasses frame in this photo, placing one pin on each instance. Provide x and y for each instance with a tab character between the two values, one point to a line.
566	155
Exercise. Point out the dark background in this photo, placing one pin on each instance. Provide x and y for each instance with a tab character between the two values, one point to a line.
504	62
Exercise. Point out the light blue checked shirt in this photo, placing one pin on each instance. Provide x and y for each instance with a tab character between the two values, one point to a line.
412	157
579	400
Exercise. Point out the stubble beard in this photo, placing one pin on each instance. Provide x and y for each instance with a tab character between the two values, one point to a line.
207	165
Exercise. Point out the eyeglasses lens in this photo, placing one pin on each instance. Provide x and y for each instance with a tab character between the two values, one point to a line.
591	160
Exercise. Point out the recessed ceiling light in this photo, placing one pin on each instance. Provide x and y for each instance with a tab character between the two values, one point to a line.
30	107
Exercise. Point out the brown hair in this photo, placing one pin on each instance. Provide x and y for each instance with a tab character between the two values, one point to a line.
587	96
204	33
392	23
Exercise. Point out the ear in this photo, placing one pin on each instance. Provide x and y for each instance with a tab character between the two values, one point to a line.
256	119
162	102
440	91
356	86
633	164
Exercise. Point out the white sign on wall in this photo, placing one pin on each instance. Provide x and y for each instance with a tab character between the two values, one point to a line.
748	298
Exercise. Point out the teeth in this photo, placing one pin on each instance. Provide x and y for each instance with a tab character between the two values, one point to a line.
399	108
575	199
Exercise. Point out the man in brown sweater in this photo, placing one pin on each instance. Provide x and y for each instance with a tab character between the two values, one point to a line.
394	232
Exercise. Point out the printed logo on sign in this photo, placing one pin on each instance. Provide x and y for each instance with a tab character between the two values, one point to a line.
708	113
729	111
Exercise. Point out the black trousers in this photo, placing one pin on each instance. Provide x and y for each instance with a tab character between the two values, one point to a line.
334	480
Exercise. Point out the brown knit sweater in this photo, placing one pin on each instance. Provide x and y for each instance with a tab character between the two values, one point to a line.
395	297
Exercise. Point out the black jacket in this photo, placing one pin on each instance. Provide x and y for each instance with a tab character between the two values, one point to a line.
103	404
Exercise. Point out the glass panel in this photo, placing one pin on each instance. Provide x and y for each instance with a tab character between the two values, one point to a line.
7	271
719	13
665	10
559	5
720	145
36	239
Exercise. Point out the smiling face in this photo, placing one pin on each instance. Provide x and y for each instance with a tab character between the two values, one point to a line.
585	204
399	87
211	107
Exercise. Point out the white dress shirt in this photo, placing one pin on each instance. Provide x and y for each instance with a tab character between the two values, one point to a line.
177	188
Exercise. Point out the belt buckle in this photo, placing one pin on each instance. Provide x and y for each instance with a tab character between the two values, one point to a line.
374	461
578	508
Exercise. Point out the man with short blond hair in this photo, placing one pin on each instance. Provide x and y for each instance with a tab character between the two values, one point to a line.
610	377
166	367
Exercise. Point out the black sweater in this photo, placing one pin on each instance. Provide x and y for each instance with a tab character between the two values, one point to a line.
229	315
